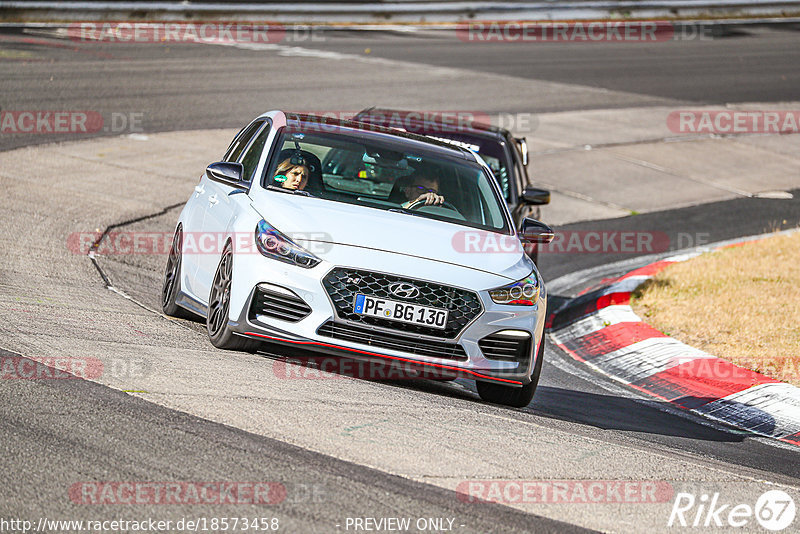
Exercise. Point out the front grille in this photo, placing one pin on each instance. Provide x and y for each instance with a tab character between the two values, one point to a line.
505	347
400	342
342	285
278	303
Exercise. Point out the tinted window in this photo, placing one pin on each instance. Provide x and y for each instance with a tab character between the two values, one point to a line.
493	152
240	143
233	142
251	157
387	174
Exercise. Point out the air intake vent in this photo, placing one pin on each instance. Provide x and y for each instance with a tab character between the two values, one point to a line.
278	303
507	346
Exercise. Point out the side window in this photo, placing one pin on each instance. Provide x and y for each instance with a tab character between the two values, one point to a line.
239	144
233	143
251	157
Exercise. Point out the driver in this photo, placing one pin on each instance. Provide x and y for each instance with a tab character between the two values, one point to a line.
419	188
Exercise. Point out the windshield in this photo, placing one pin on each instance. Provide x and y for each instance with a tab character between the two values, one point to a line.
380	172
493	153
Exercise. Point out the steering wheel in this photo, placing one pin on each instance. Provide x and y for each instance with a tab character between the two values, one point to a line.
421	202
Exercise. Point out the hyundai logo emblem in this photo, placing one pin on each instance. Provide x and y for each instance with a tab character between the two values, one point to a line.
404	290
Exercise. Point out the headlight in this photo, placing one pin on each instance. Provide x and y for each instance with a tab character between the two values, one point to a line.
273	244
522	293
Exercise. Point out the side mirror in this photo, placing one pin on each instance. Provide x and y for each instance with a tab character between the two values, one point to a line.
227	173
533	195
534	231
523	149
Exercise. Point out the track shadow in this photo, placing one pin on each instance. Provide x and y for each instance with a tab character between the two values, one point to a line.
603	411
612	412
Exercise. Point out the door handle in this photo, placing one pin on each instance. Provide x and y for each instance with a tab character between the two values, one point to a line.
213	200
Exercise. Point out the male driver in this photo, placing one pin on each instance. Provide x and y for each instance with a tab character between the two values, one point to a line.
417	188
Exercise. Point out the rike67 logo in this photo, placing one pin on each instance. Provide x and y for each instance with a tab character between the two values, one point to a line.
773	510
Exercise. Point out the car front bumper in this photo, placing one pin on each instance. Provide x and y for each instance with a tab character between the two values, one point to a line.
307	333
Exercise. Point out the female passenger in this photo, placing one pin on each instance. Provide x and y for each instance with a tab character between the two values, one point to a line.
292	175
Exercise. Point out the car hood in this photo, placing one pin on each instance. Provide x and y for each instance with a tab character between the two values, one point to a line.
310	220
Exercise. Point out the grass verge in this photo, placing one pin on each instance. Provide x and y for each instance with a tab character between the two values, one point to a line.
740	303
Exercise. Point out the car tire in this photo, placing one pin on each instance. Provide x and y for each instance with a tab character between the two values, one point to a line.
219	333
172	279
511	396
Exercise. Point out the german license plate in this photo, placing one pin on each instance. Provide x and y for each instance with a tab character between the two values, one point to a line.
403	312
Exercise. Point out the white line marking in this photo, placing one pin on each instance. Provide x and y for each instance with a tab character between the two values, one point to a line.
647	357
598	320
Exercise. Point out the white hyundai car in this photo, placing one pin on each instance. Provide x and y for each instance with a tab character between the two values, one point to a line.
364	242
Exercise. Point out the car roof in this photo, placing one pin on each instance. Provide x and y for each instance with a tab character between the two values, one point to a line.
477	128
309	120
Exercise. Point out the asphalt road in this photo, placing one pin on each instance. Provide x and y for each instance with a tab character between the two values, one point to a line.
704	64
140	441
188	86
581	425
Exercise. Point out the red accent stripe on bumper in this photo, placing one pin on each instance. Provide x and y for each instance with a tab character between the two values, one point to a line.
375	354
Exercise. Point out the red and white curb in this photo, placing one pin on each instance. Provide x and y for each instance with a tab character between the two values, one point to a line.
600	329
